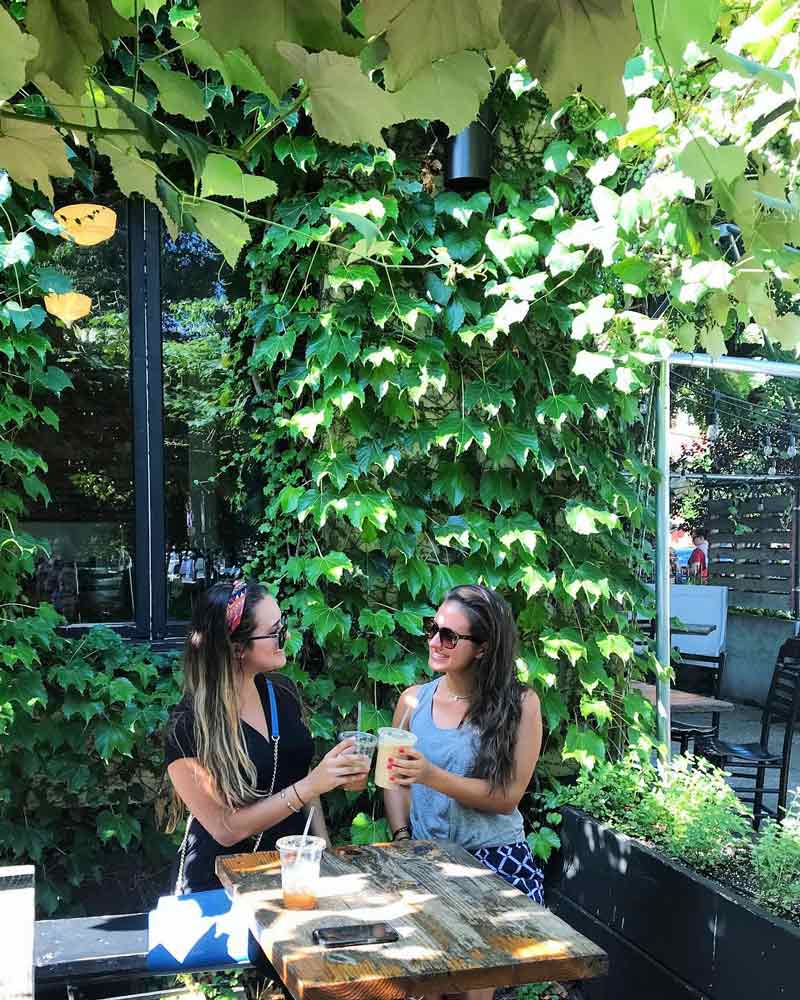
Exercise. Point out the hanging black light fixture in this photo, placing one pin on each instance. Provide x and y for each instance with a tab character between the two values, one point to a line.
468	154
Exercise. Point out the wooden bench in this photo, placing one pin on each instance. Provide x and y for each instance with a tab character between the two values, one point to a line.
16	938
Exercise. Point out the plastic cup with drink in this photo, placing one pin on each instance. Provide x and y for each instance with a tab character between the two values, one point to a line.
300	860
390	742
364	745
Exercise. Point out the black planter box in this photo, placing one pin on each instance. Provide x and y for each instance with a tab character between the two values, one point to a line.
670	933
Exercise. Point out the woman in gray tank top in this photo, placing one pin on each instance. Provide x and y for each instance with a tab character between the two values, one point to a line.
479	733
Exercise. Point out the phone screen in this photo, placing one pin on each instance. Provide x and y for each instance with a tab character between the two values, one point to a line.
340	937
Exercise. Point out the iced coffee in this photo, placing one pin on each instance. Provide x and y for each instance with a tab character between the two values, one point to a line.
364	745
300	860
390	743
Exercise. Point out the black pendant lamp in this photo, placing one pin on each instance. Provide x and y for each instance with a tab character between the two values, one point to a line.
468	154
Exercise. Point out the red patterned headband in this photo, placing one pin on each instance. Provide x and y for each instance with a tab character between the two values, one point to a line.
235	609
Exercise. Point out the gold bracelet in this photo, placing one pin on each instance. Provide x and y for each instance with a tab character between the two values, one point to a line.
299	799
287	800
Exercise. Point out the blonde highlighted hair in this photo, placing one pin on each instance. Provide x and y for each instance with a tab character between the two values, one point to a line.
211	678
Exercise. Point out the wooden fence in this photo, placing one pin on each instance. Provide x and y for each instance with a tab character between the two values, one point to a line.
752	550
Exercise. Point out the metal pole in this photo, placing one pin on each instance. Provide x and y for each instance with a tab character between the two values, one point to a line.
780	369
662	563
796	559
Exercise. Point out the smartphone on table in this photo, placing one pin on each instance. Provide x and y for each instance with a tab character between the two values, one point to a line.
354	934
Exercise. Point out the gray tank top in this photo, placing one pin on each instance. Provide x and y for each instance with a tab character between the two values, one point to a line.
435	816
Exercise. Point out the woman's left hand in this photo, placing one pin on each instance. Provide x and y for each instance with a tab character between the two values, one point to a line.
409	767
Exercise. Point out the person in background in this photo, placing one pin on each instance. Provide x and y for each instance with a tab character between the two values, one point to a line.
479	734
698	560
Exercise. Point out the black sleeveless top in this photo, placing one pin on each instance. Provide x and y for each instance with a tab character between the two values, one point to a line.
295	752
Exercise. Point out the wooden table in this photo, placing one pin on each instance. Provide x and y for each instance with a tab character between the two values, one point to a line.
684	701
461	926
16	932
689	629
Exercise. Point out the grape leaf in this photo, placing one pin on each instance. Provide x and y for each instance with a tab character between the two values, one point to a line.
68	42
670	25
419	32
560	41
178	94
17	49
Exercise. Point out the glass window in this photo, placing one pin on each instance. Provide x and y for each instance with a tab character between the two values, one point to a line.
88	525
203	303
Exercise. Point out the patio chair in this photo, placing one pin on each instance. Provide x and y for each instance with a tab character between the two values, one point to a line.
782	707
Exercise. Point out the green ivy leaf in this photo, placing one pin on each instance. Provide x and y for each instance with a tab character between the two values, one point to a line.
533	579
50	279
331	566
513	442
123	828
584	746
415	574
592	364
364	830
325	621
557	408
584	519
110	738
19	250
453	482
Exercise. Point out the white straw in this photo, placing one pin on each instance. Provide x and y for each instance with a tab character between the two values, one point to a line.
404	720
358	722
305	831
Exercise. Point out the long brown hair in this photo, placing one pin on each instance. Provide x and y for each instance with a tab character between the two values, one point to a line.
496	706
211	678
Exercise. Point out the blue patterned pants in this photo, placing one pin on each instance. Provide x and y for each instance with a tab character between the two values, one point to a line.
516	864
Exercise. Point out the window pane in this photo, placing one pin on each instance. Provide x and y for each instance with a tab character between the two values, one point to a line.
203	301
88	525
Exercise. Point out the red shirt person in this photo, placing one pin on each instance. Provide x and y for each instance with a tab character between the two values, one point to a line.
698	560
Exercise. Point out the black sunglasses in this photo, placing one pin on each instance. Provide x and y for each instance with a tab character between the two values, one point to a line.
279	633
447	636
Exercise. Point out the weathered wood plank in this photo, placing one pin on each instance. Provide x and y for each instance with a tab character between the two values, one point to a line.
752	586
766	537
17	902
771	504
743	562
684	701
746	599
461	927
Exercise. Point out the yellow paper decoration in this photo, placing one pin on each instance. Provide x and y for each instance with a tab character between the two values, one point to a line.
68	307
87	224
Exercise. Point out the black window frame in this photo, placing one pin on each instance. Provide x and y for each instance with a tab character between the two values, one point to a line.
150	623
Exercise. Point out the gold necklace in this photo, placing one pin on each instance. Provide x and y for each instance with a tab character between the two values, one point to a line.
458	697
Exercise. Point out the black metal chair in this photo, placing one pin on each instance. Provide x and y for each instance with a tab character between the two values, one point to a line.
683	732
782	707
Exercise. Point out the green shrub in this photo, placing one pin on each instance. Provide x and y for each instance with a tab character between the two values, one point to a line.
82	762
776	861
685	808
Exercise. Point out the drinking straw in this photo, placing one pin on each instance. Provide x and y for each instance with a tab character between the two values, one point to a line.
358	721
305	832
404	720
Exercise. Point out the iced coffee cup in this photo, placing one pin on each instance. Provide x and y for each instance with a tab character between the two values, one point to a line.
364	745
390	742
300	871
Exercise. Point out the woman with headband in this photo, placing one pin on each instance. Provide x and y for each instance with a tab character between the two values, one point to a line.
238	751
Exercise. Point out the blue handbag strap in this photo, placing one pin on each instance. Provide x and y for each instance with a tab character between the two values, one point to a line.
274	729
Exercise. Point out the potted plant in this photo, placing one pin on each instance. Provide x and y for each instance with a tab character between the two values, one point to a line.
661	868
